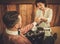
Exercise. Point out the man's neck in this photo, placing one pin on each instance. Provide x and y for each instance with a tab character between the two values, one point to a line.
13	29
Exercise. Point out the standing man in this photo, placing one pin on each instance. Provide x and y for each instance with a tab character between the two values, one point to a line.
43	16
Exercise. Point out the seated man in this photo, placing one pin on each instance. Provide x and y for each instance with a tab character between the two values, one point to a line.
13	32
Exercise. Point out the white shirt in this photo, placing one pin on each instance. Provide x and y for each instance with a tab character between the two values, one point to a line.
48	14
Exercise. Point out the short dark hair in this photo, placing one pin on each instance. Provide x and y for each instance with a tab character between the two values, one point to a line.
42	1
10	18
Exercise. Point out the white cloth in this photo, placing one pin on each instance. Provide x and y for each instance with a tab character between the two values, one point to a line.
11	32
34	23
34	27
48	31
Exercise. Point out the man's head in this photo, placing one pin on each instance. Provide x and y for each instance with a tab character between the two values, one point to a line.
40	3
10	18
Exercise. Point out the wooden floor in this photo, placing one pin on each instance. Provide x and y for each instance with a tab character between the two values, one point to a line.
56	30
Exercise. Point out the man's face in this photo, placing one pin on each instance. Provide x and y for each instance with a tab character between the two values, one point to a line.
18	24
41	5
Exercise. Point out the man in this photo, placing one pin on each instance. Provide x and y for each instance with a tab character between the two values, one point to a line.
43	16
14	34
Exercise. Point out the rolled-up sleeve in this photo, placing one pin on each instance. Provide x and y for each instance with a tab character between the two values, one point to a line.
26	28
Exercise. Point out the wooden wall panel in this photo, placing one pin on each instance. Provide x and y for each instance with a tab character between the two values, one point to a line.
0	20
29	13
22	10
57	23
56	15
26	12
2	11
11	7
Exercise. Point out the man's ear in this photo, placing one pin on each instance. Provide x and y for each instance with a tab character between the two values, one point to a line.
16	26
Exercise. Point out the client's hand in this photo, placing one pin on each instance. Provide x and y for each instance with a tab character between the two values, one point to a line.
43	19
38	20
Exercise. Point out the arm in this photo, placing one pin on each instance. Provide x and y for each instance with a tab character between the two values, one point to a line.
26	28
38	17
48	20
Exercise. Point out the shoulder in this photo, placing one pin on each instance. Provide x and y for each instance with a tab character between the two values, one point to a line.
38	11
49	9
